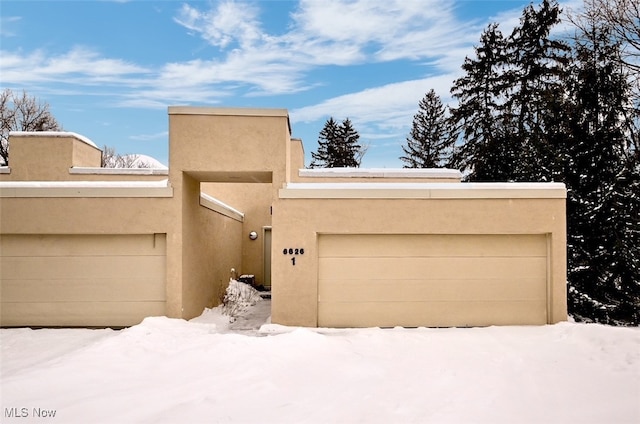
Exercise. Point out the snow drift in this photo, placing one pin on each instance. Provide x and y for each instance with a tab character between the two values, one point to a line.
170	370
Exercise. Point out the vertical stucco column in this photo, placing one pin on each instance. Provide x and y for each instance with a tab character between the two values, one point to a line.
231	147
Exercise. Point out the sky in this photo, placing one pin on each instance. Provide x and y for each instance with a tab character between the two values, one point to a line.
110	69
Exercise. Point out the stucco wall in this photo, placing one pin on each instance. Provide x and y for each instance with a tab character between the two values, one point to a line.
216	145
64	156
48	156
254	200
211	246
81	215
55	186
298	221
246	158
240	157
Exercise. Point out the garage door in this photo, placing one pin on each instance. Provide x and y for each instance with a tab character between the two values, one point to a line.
431	280
81	280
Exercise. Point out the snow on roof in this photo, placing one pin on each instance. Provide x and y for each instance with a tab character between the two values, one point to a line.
60	134
42	189
83	170
84	184
394	190
149	161
381	173
424	186
221	207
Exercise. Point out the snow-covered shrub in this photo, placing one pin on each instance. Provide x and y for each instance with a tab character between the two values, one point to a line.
238	298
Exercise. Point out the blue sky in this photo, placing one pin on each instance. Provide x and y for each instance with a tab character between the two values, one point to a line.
110	69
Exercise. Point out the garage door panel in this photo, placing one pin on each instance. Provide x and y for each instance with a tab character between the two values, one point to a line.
342	290
412	268
71	267
432	314
33	245
436	245
432	280
78	314
77	280
80	290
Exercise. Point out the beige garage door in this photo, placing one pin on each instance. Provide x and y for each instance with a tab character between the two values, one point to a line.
432	280
81	280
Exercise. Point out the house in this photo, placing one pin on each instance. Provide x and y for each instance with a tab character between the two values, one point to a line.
82	245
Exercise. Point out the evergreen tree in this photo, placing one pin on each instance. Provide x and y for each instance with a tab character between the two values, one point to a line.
337	146
479	93
510	101
431	140
327	146
603	180
535	78
348	146
529	113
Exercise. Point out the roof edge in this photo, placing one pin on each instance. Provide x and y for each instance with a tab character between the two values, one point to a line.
434	173
227	111
59	134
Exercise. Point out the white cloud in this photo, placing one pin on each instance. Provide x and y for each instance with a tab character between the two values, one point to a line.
86	67
390	106
162	96
261	70
321	33
224	24
383	31
252	61
364	22
5	25
147	137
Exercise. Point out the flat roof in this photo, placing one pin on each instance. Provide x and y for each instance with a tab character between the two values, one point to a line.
435	173
60	134
423	191
230	111
160	188
227	111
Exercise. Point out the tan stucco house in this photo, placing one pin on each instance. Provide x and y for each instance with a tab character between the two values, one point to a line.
82	245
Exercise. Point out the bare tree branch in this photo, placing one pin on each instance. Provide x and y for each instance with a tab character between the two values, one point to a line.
111	159
21	112
623	16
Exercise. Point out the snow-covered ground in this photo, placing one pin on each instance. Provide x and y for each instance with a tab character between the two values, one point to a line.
210	370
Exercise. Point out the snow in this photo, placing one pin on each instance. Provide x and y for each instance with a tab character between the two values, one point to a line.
84	170
418	190
214	204
380	172
424	186
85	184
146	161
53	134
250	371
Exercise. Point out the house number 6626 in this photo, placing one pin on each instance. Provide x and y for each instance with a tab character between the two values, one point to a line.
293	251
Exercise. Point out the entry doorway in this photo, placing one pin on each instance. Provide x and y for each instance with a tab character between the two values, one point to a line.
267	257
